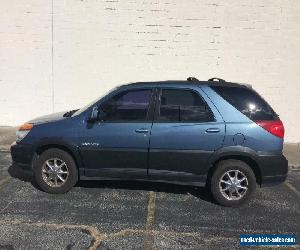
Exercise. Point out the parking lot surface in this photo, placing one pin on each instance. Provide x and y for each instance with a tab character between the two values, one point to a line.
136	215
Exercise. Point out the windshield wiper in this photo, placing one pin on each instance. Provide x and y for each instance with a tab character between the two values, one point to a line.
70	113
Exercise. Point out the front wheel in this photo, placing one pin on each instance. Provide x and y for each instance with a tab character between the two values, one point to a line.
55	171
233	183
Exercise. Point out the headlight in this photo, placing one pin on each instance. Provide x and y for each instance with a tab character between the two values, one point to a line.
23	131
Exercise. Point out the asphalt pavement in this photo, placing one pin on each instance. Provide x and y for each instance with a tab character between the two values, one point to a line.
136	215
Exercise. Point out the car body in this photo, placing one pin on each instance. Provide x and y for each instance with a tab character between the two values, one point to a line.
168	131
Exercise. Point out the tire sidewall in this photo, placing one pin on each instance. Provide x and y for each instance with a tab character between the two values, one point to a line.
222	168
72	168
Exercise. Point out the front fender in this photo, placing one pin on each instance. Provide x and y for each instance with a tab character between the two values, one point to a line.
58	142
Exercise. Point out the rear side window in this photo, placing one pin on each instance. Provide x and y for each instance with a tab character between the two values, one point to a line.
248	102
178	105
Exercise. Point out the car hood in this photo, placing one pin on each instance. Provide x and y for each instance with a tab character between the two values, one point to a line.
49	118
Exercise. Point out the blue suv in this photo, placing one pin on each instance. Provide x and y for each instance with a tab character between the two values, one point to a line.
213	133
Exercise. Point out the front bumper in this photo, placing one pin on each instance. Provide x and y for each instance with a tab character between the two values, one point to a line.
273	168
22	155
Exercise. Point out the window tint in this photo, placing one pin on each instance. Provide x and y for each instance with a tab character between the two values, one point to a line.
128	106
183	106
247	101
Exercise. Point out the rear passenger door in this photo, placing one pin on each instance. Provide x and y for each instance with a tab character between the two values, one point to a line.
185	132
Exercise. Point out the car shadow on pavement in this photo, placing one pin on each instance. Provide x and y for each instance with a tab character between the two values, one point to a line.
17	172
199	192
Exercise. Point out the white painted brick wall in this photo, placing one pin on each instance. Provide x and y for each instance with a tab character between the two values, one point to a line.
98	44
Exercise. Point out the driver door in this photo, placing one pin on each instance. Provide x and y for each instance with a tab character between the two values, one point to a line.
117	146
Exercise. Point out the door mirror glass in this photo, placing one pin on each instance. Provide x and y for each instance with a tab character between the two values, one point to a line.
94	114
101	115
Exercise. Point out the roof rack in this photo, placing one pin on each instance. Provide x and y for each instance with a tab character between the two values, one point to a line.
214	79
192	79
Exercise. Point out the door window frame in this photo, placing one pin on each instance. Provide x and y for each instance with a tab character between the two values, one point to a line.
158	104
151	106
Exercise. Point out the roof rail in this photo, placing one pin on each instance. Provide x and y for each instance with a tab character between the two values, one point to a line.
192	79
214	79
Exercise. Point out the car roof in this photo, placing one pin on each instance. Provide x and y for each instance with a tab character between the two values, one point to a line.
185	83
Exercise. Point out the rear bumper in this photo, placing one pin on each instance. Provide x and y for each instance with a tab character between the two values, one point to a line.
273	167
22	155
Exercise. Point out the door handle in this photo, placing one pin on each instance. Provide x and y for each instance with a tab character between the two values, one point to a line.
212	130
142	130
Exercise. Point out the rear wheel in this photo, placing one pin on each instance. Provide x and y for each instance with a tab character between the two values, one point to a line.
55	171
232	183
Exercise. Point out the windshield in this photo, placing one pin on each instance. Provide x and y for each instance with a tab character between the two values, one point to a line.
79	111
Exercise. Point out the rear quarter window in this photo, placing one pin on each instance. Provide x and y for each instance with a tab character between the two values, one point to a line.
248	102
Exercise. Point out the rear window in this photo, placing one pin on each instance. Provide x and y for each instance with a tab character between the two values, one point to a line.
248	102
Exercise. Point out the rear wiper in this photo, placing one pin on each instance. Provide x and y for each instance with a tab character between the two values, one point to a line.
70	113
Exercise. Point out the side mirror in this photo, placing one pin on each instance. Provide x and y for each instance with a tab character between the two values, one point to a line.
97	114
94	115
101	115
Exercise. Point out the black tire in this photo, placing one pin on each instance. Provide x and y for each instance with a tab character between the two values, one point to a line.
70	166
243	170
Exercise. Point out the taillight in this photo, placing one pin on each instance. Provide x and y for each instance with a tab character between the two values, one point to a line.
274	127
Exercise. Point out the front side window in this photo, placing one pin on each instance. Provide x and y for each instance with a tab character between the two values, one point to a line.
131	105
178	105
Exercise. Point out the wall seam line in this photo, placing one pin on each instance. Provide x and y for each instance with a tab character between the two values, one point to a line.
52	54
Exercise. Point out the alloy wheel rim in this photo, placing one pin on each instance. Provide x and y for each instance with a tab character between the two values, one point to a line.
55	172
233	185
